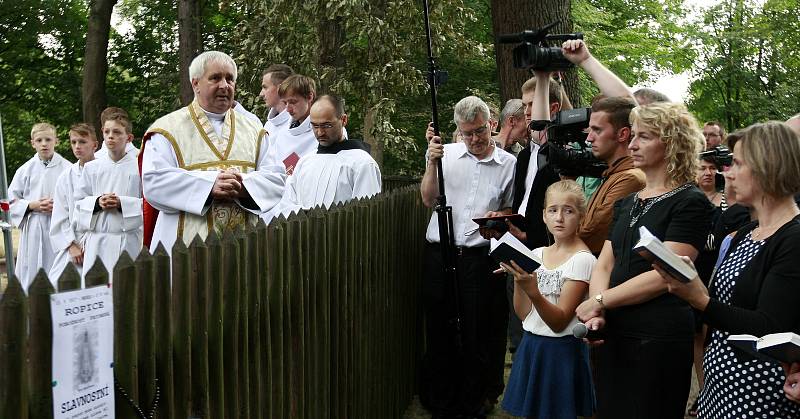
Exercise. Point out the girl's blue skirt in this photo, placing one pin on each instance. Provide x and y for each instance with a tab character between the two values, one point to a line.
550	379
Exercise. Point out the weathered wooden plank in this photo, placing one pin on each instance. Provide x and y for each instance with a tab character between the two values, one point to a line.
70	279
14	352
40	362
125	336
216	353
164	323
230	323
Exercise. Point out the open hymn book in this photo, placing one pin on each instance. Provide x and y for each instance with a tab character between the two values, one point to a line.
654	250
782	347
509	248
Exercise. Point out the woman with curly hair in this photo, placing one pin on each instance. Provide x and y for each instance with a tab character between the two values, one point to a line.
643	366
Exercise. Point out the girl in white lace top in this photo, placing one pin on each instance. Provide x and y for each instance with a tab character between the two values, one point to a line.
550	377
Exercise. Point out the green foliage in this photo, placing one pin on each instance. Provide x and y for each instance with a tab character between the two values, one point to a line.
639	40
748	68
379	65
41	54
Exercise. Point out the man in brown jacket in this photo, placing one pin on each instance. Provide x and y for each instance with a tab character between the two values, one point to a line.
609	134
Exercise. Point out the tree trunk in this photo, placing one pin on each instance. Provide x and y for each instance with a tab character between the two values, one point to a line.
190	43
511	16
95	67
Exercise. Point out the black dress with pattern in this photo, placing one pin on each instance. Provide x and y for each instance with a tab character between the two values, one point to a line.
739	387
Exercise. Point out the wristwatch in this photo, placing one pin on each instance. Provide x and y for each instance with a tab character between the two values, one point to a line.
599	299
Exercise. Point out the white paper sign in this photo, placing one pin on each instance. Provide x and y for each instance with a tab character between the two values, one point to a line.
83	354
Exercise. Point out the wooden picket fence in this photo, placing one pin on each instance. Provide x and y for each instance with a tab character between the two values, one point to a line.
316	316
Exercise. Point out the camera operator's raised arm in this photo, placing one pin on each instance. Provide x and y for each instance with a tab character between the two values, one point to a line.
542	110
576	51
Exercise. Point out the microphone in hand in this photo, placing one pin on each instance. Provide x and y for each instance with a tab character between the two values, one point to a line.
580	331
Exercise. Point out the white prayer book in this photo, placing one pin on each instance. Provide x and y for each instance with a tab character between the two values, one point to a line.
654	250
782	347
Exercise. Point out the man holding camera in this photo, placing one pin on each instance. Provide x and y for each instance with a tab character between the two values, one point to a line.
478	178
609	135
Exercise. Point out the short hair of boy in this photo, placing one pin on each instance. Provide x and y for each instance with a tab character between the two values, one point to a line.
84	130
298	84
618	110
42	127
118	115
278	73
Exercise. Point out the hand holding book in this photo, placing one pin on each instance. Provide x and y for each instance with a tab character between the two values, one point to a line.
677	271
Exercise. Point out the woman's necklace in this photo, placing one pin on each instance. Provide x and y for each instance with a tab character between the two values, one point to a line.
641	206
759	232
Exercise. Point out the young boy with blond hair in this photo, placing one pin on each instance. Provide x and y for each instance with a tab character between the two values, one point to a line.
31	193
109	198
66	238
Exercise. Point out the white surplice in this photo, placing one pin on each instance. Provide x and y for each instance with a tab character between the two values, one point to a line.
276	122
63	225
172	190
33	181
103	152
291	144
110	232
327	179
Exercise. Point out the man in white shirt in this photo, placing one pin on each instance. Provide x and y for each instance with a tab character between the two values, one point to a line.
277	118
297	140
478	179
204	166
340	170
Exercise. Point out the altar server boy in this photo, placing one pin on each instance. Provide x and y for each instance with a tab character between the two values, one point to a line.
31	193
66	238
109	198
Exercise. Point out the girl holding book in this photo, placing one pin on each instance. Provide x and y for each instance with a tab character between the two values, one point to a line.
550	377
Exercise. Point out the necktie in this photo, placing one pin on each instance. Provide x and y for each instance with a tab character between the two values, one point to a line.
294	124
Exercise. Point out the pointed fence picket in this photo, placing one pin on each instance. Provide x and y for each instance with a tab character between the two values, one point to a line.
314	316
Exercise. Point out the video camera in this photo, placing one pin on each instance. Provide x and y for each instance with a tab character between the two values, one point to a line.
566	131
720	155
533	53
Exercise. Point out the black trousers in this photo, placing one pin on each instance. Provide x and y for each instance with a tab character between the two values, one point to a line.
642	378
458	380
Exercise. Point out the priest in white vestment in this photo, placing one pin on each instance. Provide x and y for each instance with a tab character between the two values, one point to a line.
109	203
339	171
31	195
204	166
65	236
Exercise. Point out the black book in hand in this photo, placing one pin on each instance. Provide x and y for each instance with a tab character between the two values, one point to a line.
509	248
775	347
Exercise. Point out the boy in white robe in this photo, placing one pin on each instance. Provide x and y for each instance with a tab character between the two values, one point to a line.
340	170
277	118
31	193
109	199
65	237
297	139
104	116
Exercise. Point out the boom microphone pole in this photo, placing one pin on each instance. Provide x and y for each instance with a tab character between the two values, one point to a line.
443	211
